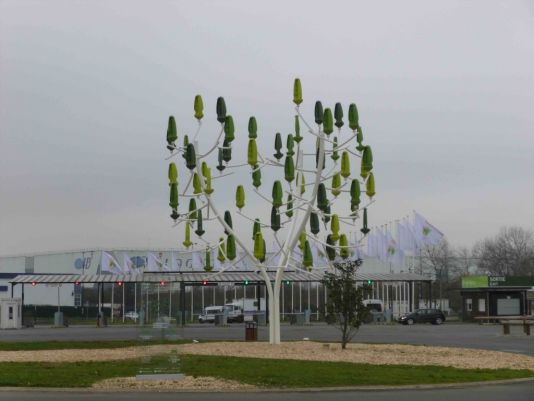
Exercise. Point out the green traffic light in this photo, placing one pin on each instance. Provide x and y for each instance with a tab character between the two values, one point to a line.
246	282
369	282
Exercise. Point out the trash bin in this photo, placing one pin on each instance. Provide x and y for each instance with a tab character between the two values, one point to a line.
251	331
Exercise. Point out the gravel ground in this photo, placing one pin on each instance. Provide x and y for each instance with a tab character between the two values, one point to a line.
188	383
84	355
383	354
376	354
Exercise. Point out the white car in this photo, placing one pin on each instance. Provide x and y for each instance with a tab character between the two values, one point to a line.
208	315
131	315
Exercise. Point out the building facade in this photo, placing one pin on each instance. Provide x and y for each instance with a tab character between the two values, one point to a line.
497	296
89	262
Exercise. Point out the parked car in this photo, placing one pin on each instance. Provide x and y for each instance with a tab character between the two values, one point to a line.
131	315
208	315
434	316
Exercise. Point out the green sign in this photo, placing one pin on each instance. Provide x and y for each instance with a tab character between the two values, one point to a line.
475	282
497	281
511	281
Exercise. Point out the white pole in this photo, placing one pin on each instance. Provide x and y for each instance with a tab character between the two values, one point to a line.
413	295
397	298
170	298
309	295
292	306
112	300
202	297
317	300
283	302
402	296
387	296
325	301
300	297
123	318
191	290
407	296
158	300
135	297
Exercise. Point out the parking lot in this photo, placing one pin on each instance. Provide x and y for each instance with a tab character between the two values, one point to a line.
449	334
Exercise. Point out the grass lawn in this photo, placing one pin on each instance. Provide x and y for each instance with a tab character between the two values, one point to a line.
262	372
290	373
44	345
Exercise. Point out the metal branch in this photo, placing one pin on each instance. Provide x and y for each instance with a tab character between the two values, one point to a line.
252	220
214	146
262	196
188	183
198	130
221	176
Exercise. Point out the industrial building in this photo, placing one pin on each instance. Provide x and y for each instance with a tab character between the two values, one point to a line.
61	279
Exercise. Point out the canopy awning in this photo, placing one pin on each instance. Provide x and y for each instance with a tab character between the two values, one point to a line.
198	277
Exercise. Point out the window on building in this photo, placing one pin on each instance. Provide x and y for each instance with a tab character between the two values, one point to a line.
10	313
482	305
469	304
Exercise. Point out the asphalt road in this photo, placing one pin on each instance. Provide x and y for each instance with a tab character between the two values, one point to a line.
449	334
509	392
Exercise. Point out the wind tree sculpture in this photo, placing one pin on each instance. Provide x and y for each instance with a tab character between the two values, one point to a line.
302	200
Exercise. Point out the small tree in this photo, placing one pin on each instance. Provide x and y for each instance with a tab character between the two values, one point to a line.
439	261
344	305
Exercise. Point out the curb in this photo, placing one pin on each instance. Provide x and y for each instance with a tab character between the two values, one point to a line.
272	390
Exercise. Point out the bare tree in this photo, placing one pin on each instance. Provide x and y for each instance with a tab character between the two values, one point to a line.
463	262
440	261
509	253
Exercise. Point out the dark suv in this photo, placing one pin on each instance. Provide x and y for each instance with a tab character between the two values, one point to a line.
434	316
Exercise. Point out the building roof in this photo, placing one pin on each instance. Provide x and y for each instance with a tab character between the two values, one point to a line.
197	277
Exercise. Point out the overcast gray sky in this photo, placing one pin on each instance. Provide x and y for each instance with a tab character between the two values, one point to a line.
445	92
